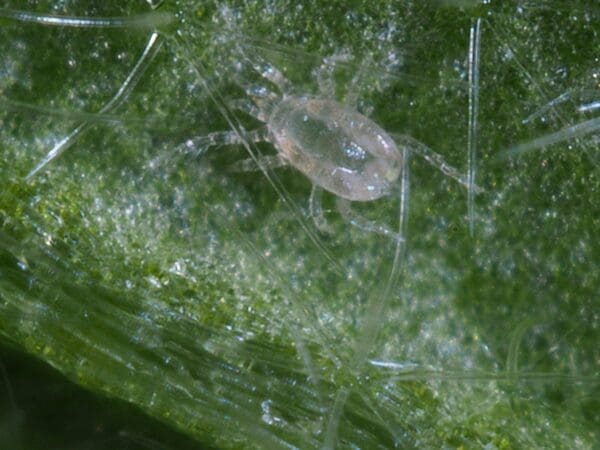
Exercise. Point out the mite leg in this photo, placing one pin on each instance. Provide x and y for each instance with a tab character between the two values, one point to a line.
249	108
324	74
263	97
268	71
198	145
345	209
353	92
433	158
262	162
316	210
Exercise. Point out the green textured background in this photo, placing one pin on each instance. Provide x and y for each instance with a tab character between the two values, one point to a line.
186	307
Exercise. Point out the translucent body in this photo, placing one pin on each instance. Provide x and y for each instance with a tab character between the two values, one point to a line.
338	148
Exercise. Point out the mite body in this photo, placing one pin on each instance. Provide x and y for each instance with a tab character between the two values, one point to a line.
338	148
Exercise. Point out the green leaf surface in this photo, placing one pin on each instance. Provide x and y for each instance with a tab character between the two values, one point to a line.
166	280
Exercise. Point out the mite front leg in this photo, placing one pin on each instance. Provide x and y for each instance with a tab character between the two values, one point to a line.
198	145
261	163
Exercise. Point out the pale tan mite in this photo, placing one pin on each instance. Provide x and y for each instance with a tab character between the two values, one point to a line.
339	149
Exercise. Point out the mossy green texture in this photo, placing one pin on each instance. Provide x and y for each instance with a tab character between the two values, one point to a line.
195	292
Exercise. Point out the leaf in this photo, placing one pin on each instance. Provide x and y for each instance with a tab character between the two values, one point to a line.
205	297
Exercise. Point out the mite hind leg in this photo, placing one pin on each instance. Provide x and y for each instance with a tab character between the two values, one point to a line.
344	207
316	210
433	158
